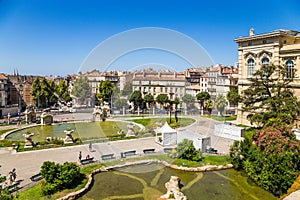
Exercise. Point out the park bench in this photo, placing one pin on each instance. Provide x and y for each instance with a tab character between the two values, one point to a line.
167	150
148	151
107	156
14	187
128	153
212	150
87	161
36	177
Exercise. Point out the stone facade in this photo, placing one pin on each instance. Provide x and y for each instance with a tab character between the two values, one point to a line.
155	83
280	47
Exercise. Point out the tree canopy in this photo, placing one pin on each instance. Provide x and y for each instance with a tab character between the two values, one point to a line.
186	150
269	97
81	89
136	98
162	99
233	96
149	99
106	89
220	103
202	97
189	100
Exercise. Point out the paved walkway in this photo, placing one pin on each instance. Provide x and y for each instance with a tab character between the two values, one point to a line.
29	163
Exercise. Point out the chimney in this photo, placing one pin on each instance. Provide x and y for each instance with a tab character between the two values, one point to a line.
251	32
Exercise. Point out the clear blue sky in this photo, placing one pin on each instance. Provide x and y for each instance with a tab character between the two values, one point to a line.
53	37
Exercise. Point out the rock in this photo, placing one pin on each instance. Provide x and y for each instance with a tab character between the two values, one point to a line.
173	190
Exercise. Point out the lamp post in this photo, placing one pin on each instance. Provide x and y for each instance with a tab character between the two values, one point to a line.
170	106
20	97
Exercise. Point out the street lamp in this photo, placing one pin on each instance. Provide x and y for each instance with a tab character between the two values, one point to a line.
170	106
20	97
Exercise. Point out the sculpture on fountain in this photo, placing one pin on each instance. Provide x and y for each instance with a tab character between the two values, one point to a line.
69	138
130	131
28	140
101	112
46	117
173	190
30	115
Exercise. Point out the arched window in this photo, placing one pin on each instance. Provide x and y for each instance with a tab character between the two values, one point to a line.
290	68
265	61
250	67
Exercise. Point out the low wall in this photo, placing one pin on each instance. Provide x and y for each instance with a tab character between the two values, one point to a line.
78	193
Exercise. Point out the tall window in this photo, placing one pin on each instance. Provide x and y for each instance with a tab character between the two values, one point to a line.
265	61
289	68
250	67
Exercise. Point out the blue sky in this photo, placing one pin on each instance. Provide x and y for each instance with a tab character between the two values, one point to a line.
54	37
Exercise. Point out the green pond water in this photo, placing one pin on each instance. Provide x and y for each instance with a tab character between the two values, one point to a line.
141	182
83	130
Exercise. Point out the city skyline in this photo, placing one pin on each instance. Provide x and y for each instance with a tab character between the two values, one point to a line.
55	38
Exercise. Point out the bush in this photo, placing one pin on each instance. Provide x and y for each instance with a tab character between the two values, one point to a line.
186	150
58	177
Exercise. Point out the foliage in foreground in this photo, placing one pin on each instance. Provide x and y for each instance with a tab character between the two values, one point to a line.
271	158
269	98
58	177
186	150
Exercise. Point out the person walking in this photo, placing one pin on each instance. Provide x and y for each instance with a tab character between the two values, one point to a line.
80	155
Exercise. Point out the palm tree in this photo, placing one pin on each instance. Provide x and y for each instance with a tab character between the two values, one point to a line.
220	103
202	97
209	106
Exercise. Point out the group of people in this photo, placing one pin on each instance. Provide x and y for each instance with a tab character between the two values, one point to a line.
12	176
80	156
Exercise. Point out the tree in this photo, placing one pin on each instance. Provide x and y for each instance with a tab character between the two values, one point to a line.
136	98
269	97
149	99
176	102
81	89
209	106
120	103
162	99
127	89
189	100
106	89
35	91
202	97
62	91
186	150
59	176
220	103
233	96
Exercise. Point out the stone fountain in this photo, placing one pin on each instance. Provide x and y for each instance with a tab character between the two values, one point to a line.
173	190
69	138
28	140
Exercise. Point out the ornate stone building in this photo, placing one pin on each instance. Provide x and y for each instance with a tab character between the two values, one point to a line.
155	83
280	47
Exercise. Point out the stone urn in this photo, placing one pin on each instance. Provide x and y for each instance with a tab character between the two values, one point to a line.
69	138
173	190
28	140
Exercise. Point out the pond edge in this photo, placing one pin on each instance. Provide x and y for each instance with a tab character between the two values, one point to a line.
87	186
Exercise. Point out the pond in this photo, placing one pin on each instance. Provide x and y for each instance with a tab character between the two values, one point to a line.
147	181
83	130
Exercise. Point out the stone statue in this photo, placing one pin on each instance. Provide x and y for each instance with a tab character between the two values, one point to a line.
101	112
46	117
130	131
30	115
173	190
69	138
28	140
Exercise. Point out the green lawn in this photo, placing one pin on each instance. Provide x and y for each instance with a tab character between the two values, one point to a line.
220	118
35	192
151	122
6	130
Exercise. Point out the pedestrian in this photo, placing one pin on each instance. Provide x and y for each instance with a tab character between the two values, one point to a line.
90	146
80	155
10	177
14	174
